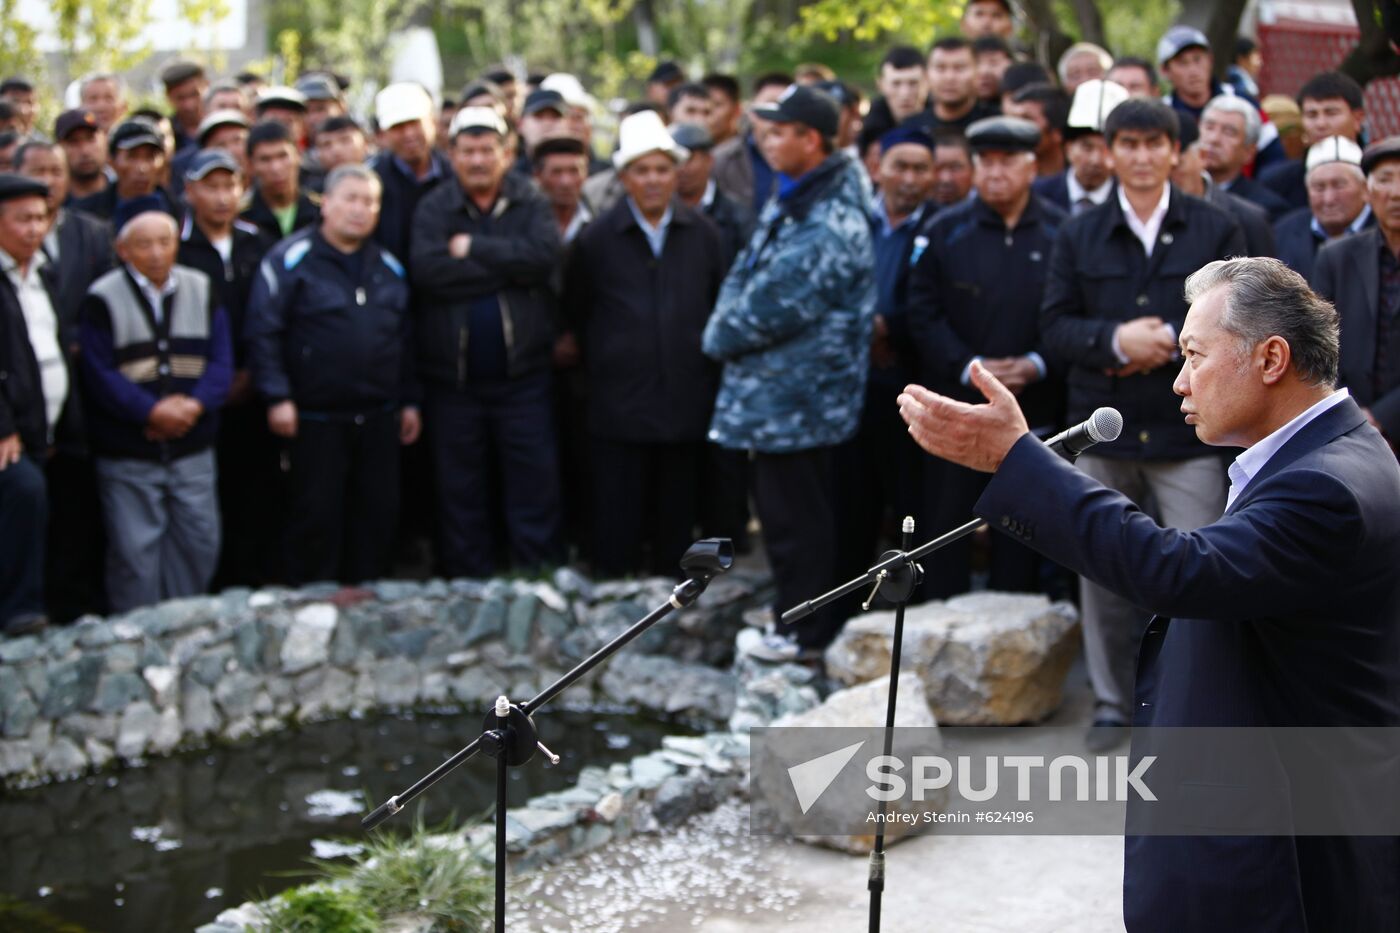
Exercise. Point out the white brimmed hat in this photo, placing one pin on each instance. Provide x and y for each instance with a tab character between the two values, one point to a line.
644	133
402	103
477	118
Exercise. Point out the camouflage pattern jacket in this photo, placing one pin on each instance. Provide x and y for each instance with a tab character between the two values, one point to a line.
793	320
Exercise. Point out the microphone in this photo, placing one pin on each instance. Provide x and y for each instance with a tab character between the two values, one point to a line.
1105	424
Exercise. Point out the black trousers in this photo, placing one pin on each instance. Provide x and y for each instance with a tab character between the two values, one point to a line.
952	491
879	480
793	493
23	524
344	499
645	506
75	558
494	444
252	498
724	495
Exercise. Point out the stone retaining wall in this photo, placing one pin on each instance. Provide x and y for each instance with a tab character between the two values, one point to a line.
227	667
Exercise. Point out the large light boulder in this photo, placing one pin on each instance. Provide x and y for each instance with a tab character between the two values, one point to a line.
985	659
839	817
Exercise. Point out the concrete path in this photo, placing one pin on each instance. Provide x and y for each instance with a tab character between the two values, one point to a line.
712	876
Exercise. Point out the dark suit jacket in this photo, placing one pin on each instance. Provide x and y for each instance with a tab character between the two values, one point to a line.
84	255
22	409
1281	614
640	319
1347	272
1054	188
1253	220
1255	193
1298	245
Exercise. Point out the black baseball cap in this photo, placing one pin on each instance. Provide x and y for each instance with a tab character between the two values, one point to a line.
692	136
545	100
15	83
805	105
210	160
318	87
79	118
134	134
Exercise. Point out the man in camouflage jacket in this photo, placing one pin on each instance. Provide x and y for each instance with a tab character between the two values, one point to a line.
792	326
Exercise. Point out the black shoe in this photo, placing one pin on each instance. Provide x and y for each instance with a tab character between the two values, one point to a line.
26	624
1105	735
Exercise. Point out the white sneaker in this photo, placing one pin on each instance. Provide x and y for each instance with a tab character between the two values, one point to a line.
767	646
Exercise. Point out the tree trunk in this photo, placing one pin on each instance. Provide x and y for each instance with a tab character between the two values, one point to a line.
1373	57
1090	22
1220	21
644	16
1050	40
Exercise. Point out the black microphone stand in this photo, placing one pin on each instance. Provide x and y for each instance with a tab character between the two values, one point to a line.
894	578
508	733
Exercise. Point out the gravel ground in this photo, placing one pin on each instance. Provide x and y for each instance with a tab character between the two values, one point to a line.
712	876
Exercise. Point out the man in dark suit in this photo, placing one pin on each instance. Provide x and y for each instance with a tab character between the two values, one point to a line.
1230	132
1191	177
1361	275
1250	630
1338	204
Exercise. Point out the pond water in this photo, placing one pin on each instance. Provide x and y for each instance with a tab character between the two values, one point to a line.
168	846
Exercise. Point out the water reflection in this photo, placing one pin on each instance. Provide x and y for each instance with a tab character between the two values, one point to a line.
168	846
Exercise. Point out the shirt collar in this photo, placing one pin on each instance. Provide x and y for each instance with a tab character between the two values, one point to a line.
1248	464
1158	212
881	215
146	285
433	169
708	197
656	236
1354	227
11	266
1078	191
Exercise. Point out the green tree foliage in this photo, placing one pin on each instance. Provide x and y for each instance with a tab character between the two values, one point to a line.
102	35
910	22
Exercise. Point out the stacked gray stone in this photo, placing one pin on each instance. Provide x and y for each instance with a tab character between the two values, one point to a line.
228	667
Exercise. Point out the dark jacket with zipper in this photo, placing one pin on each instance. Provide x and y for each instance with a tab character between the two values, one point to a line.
962	303
399	199
256	211
514	249
1101	277
233	280
641	318
328	341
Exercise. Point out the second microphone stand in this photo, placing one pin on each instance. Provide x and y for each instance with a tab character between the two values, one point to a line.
894	578
508	733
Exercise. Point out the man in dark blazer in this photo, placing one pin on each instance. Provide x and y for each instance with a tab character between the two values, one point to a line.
1360	274
640	285
1249	628
1338	205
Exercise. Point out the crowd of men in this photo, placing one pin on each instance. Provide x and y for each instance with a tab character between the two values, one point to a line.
256	339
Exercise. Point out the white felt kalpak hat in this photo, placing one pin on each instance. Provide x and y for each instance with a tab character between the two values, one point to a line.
644	133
